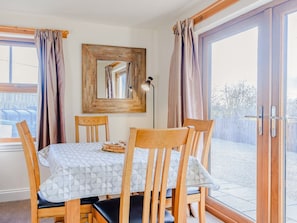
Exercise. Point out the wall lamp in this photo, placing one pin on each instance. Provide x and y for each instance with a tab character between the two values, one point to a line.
146	86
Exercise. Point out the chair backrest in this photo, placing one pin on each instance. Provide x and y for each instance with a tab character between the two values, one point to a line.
31	159
91	124
202	128
159	144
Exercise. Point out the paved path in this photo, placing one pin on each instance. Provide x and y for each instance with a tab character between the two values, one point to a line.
235	169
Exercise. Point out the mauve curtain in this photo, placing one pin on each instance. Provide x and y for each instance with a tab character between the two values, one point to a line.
185	91
51	118
128	79
108	80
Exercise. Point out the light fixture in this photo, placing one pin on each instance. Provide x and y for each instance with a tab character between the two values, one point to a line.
146	87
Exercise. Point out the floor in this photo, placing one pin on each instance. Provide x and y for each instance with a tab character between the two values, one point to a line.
19	212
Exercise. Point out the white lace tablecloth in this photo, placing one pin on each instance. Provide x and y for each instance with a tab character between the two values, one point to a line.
81	170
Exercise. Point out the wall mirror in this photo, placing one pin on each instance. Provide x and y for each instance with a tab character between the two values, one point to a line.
112	78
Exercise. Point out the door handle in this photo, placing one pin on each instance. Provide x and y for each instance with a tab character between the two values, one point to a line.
259	118
273	119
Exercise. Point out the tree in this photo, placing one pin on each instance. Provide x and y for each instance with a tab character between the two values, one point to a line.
235	100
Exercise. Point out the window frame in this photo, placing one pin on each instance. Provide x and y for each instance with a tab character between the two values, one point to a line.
14	39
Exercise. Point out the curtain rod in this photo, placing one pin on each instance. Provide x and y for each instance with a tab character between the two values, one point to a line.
21	30
212	9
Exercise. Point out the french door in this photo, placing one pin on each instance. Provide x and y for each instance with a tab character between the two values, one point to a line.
250	68
285	147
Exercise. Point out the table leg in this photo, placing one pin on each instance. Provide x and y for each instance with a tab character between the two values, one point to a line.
72	211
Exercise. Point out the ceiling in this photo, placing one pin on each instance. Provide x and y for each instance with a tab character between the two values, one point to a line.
131	13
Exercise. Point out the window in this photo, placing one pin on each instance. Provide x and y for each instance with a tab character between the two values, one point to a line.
18	86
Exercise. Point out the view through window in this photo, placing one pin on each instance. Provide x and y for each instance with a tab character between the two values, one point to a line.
291	119
18	87
234	91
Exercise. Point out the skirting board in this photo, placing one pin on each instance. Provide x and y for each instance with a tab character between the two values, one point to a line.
14	194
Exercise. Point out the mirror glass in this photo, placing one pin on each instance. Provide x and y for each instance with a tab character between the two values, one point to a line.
112	78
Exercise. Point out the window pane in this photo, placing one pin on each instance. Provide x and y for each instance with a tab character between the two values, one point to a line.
17	107
18	65
233	96
4	64
25	65
291	121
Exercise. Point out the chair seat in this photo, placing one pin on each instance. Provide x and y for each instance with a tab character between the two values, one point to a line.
43	203
88	200
190	191
109	209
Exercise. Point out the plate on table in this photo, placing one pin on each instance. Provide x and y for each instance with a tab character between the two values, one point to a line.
115	147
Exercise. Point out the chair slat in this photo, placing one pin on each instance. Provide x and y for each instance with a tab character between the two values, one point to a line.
200	146
91	125
159	143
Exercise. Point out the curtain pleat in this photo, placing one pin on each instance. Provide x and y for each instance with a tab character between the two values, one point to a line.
128	80
185	87
51	118
108	79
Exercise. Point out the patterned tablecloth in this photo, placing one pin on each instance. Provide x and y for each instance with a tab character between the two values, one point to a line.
81	170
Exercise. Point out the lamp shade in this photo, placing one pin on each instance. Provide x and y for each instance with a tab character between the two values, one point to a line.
146	87
147	84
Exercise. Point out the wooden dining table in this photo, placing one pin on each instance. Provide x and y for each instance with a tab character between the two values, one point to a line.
80	170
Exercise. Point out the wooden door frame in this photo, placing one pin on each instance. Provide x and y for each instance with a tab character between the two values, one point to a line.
270	197
278	96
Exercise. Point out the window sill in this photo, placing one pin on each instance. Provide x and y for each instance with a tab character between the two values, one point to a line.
11	147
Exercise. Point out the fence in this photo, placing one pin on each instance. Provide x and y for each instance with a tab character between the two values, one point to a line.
245	130
15	107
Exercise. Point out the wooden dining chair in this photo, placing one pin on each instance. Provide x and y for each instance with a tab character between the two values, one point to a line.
200	149
40	207
91	124
150	206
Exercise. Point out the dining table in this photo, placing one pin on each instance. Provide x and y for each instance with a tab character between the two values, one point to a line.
80	170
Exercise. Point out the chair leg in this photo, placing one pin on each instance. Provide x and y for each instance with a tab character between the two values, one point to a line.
90	218
86	218
34	215
201	205
173	207
189	212
59	219
93	216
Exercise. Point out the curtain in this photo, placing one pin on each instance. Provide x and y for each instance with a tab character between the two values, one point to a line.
51	119
185	87
129	76
108	79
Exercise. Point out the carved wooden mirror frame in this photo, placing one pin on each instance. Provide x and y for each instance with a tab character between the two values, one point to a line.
90	102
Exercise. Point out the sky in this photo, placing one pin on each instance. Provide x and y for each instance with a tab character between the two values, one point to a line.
235	58
292	56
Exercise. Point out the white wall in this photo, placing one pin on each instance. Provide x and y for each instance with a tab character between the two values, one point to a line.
159	45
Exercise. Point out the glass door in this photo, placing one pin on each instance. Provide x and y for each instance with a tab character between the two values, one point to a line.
250	69
237	106
286	39
233	97
291	122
